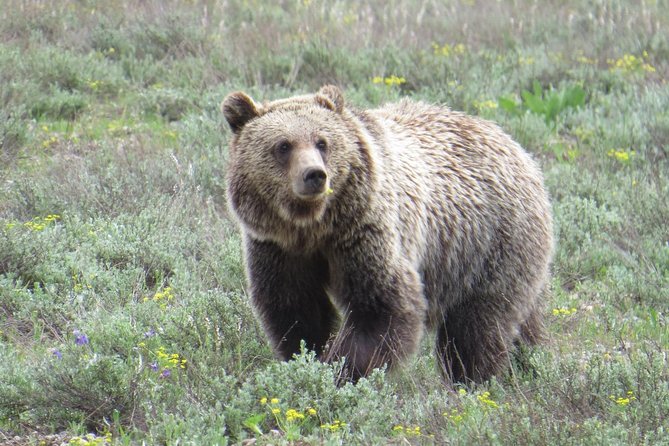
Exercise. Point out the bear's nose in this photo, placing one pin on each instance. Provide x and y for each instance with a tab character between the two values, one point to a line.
314	180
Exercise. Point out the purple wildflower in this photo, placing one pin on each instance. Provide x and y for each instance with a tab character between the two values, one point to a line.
150	333
80	338
154	366
57	353
166	373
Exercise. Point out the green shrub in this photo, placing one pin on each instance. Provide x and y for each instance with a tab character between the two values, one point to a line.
12	136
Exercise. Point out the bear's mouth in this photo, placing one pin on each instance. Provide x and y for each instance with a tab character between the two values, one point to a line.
311	198
309	208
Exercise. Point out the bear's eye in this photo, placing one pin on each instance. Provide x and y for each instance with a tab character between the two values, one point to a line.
321	145
283	148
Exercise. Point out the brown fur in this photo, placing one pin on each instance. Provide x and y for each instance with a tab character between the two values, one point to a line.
435	219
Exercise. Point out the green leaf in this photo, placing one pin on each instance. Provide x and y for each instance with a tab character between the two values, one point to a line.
537	89
552	106
508	105
574	96
533	102
253	423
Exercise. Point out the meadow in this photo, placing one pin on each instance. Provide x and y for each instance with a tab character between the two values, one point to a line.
123	315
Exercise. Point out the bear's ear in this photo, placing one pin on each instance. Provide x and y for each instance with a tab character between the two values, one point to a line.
238	109
331	97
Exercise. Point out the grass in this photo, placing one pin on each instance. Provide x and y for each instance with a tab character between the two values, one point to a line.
123	316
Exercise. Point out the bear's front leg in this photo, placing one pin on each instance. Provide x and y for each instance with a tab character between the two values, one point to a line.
288	294
384	309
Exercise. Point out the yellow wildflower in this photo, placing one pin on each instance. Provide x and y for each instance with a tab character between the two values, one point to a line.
564	311
623	401
586	60
630	63
485	399
390	81
486	105
408	430
621	155
454	416
447	50
334	426
292	415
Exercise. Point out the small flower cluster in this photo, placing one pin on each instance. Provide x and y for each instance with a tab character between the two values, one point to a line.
564	311
621	155
290	422
335	426
51	138
585	60
164	362
294	415
51	218
80	338
407	430
94	85
37	223
290	414
162	297
263	400
486	105
485	399
447	50
623	401
630	63
91	440
454	416
78	287
390	81
167	362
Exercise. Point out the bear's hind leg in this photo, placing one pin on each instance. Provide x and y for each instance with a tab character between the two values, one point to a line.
532	329
474	340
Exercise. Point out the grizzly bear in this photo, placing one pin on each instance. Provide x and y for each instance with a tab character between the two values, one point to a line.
363	228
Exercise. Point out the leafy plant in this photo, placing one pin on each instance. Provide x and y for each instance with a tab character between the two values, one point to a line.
549	103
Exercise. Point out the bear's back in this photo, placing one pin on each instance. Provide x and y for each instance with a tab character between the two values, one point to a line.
465	187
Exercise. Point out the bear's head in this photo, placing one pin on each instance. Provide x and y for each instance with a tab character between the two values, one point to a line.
288	157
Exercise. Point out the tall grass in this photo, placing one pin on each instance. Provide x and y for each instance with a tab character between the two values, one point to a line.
123	313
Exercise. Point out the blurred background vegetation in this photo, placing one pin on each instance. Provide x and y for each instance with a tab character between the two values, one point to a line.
122	307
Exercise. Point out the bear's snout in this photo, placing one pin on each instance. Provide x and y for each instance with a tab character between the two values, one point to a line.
314	180
308	173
